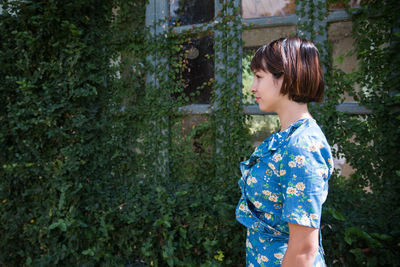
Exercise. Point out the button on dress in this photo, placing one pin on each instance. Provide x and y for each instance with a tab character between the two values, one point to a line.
284	180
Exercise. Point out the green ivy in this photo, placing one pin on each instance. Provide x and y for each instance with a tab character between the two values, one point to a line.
84	139
361	217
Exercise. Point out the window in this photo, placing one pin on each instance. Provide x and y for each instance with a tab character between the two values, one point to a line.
343	4
340	36
187	12
270	19
267	8
199	69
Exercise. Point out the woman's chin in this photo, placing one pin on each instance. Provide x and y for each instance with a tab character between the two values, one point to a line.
264	109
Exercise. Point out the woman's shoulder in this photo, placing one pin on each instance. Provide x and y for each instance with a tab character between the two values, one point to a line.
308	138
308	145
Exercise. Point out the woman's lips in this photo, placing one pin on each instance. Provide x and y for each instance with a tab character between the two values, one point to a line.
258	98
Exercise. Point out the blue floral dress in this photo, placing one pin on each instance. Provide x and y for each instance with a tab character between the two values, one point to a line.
285	180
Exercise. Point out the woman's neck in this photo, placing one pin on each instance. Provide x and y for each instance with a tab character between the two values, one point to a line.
291	113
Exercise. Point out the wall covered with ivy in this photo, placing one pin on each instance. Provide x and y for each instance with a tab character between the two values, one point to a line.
99	167
363	222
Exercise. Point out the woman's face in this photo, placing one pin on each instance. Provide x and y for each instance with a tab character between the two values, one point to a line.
267	91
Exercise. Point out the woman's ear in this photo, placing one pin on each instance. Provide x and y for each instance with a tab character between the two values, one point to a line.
279	81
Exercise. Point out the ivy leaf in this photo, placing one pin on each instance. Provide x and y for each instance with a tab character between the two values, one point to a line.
89	252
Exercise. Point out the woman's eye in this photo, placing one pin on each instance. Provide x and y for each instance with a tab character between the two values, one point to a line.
258	76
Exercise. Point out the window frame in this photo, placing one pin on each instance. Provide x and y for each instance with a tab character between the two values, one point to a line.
160	10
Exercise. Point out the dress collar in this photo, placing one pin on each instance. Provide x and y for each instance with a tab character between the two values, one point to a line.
271	144
275	140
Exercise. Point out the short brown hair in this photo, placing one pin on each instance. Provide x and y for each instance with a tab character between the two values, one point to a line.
298	61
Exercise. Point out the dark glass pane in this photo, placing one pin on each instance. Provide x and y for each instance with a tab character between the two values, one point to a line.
186	12
198	70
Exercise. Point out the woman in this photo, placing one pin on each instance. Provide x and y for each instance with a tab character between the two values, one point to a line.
285	181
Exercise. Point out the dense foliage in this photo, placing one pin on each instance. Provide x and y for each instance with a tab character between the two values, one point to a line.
84	179
63	145
362	214
98	166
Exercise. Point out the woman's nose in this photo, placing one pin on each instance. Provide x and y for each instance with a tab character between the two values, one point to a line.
253	88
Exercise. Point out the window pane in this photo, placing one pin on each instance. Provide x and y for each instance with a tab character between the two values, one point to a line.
198	70
340	36
247	77
262	126
260	36
341	164
186	12
192	144
342	4
267	8
195	129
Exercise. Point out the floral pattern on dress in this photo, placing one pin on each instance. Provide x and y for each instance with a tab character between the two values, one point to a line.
284	180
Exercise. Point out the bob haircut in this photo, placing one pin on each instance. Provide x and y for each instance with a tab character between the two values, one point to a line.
298	61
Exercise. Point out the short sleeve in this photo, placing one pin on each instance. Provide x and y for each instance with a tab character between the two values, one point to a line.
304	172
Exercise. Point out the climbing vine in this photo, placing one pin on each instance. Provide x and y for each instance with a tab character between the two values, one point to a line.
366	233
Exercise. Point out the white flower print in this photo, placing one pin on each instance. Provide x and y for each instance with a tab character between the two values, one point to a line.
322	172
300	186
266	192
273	198
275	232
271	165
278	255
257	204
305	220
312	148
242	207
248	244
291	190
277	157
300	160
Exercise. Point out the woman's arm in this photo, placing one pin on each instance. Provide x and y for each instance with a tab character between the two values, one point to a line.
302	247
